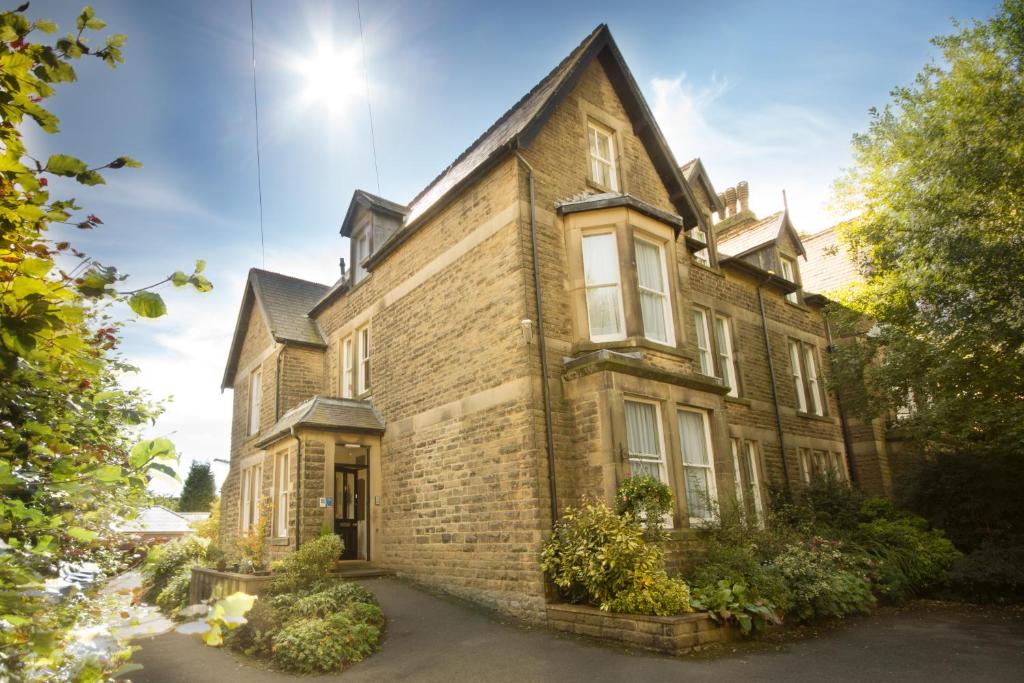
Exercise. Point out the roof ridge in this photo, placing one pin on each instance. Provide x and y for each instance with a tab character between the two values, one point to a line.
274	273
501	119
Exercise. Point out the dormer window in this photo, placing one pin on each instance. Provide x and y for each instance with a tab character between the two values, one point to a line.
603	170
789	273
360	250
702	256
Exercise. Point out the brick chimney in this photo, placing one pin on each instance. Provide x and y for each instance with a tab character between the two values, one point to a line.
737	210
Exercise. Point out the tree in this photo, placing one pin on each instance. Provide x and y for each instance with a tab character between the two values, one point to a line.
199	489
68	468
937	185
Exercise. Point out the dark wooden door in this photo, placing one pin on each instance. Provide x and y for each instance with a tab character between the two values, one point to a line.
349	510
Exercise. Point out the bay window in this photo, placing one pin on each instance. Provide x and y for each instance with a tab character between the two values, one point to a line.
645	442
655	308
603	287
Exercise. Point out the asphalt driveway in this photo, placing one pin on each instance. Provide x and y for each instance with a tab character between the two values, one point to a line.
435	638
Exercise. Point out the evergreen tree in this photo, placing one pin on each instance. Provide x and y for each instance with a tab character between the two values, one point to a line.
199	489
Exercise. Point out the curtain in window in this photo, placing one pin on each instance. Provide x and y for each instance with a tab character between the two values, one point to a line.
725	354
642	437
798	378
696	463
652	290
703	348
601	274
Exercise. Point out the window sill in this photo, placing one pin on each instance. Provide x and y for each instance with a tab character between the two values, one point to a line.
594	185
819	418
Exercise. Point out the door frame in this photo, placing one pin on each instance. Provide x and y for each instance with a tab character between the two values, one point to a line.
341	467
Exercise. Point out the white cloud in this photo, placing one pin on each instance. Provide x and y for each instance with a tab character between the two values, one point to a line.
774	146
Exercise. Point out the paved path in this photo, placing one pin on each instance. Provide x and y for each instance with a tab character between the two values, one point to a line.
440	639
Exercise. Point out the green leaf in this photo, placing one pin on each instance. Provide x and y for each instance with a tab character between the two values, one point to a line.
148	304
90	178
152	450
80	534
64	165
46	26
179	279
200	266
108	473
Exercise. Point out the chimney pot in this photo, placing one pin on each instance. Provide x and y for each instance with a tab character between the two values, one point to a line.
743	194
730	201
341	265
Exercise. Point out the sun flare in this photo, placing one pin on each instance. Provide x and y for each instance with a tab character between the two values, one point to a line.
331	77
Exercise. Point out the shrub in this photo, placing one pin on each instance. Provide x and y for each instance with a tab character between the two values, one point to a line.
991	573
323	644
594	554
165	562
656	595
365	612
308	564
256	636
174	596
729	602
822	581
909	559
646	499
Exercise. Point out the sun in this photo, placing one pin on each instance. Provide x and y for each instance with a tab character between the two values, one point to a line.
331	77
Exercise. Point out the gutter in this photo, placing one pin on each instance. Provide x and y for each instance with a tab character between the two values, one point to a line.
298	489
542	346
775	389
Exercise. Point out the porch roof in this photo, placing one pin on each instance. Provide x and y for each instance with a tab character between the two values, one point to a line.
330	414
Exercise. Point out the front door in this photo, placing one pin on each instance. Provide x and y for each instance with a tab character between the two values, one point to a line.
350	506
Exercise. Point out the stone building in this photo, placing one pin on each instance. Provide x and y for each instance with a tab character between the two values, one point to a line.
564	305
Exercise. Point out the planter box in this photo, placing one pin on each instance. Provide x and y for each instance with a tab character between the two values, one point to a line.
674	635
207	582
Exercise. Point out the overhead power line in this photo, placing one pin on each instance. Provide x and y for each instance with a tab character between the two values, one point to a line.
366	84
256	112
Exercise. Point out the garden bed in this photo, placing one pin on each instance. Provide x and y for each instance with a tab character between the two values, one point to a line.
674	635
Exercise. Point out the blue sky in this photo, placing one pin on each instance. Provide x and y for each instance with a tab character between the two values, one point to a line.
766	92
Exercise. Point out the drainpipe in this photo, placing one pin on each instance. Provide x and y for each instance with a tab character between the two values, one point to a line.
298	489
542	345
775	390
847	439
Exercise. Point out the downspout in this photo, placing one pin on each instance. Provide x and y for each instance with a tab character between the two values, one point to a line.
542	345
847	439
775	390
298	489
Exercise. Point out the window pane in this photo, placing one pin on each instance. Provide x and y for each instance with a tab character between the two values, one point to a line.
652	307
798	378
603	311
600	259
812	380
645	468
725	362
698	494
642	429
693	438
700	322
648	266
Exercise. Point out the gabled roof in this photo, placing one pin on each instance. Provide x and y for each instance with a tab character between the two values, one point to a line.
518	126
283	301
697	176
367	200
334	414
829	266
758	235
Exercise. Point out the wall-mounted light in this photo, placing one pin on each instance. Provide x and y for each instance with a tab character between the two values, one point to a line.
527	328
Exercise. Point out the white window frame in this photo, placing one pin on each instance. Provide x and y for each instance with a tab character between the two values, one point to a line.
617	283
255	400
360	250
650	458
817	403
596	161
364	379
712	484
702	256
734	447
251	482
796	371
789	273
282	492
705	354
726	355
347	366
753	472
665	295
